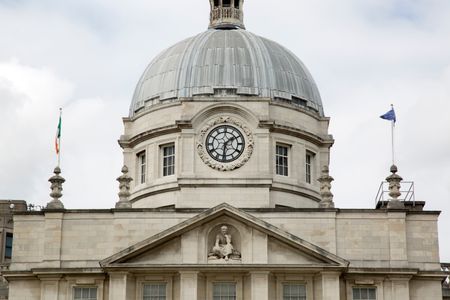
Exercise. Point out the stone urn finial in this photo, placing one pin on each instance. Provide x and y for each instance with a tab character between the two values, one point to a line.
56	187
325	188
394	189
124	187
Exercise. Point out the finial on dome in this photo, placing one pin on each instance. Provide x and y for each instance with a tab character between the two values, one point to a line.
124	189
227	14
56	187
394	189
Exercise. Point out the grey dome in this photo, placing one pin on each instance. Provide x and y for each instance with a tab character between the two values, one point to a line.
227	59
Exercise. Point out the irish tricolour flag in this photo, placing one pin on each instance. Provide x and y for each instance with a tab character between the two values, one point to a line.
58	135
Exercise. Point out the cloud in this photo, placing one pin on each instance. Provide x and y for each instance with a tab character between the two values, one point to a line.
87	56
31	97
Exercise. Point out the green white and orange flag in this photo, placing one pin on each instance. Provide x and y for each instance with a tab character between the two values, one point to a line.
58	135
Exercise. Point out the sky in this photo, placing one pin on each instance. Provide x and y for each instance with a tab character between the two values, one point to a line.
86	56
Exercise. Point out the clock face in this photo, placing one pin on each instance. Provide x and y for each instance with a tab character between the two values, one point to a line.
225	143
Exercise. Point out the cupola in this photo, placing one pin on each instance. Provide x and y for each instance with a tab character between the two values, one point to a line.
226	14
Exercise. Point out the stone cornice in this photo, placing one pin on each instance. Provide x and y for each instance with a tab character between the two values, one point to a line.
316	268
321	141
314	114
125	142
375	271
51	273
327	141
251	210
395	273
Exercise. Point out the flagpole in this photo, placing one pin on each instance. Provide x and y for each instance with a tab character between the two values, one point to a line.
390	115
59	140
393	138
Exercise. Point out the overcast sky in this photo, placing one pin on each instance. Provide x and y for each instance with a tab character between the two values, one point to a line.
87	56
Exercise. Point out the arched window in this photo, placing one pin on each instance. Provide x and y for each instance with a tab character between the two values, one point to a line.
216	3
236	3
226	3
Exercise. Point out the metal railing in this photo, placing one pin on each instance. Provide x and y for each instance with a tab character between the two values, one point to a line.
34	207
225	13
407	193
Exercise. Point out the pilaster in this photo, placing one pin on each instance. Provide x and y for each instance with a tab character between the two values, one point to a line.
189	285
53	239
400	288
121	286
50	288
259	285
327	286
397	240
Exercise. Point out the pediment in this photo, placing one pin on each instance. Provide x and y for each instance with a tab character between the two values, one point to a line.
254	241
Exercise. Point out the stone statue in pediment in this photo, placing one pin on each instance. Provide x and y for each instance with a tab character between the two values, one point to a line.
223	246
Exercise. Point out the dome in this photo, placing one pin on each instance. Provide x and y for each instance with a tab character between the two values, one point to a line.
227	61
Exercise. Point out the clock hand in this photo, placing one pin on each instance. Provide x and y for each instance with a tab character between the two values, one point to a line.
225	147
229	140
223	150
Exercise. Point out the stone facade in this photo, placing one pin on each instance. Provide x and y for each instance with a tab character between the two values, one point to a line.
329	251
7	209
225	193
194	182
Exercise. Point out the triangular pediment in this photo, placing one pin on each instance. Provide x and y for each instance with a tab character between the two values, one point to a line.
256	242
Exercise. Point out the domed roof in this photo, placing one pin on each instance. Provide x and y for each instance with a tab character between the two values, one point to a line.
234	60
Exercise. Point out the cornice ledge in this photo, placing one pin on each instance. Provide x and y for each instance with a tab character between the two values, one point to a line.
389	271
327	140
126	142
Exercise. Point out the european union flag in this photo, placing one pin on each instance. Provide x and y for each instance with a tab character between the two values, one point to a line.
390	116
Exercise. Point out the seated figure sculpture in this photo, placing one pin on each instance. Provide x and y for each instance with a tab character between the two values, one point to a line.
223	247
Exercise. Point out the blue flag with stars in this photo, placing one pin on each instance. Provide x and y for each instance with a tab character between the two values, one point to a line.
390	116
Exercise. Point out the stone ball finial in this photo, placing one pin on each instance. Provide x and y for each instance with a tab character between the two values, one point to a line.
124	189
325	188
56	190
394	181
394	169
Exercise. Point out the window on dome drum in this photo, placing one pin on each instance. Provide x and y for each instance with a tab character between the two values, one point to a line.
224	291
85	293
8	245
142	167
299	102
363	293
236	3
309	163
216	3
226	3
168	153
282	160
292	291
154	291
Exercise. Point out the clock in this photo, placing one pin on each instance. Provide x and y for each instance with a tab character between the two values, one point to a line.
225	143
